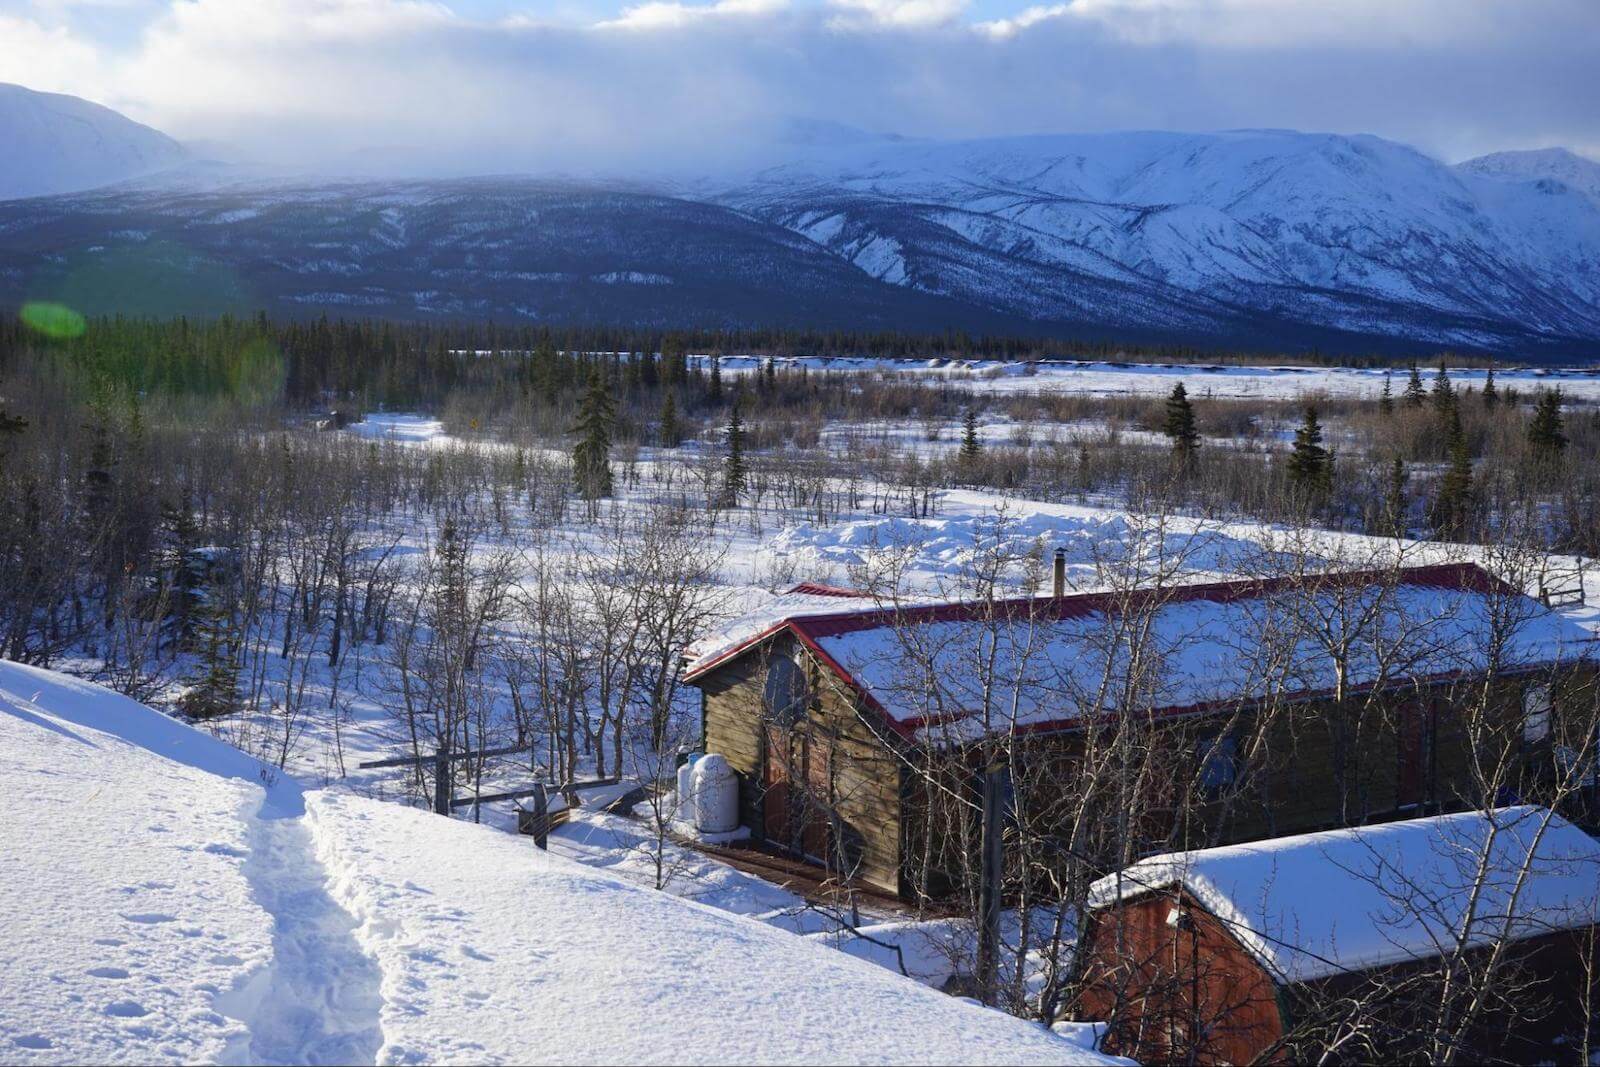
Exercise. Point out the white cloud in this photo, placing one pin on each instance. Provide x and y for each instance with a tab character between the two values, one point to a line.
663	14
696	82
50	59
897	12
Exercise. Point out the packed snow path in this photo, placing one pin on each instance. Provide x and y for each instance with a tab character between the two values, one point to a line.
319	999
164	898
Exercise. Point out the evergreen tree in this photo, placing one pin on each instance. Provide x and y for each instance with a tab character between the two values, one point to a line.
1545	430
591	458
1444	394
213	689
971	447
180	572
1452	507
714	392
1396	503
1180	427
734	473
1310	465
1491	395
1414	395
1386	398
671	434
11	428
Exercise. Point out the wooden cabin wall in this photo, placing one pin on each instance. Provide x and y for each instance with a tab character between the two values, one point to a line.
1299	788
863	773
1184	992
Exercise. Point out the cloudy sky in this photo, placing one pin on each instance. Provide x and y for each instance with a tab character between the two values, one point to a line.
475	85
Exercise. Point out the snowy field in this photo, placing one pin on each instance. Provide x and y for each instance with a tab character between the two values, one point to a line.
1202	381
192	906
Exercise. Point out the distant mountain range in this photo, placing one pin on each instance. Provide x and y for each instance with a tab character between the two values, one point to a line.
1260	238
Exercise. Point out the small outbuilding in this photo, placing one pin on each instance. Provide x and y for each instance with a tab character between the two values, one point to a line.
1227	955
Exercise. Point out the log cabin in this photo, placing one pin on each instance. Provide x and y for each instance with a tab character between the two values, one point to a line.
824	703
1236	954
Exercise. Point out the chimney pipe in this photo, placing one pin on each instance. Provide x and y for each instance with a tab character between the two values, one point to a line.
1061	573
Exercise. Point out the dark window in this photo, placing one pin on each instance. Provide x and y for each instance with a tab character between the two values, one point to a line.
1219	762
785	695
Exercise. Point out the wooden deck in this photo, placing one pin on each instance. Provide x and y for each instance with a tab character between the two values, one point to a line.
806	880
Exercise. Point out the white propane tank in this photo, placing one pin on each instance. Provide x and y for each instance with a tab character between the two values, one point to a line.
685	811
716	795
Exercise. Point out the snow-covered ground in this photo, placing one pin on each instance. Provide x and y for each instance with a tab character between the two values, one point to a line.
1219	381
324	936
171	900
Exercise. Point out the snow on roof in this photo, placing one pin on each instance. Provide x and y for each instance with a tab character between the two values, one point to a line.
801	601
1326	903
1049	659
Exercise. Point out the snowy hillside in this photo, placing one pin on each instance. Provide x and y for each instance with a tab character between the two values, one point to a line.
171	900
1542	164
61	144
1201	232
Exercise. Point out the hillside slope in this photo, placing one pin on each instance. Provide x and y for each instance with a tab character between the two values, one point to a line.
62	144
165	905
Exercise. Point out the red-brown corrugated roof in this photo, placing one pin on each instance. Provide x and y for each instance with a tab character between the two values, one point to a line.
812	629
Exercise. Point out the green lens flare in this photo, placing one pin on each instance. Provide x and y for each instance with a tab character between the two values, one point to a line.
53	320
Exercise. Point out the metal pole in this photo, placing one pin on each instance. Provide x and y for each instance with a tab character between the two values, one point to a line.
441	781
993	869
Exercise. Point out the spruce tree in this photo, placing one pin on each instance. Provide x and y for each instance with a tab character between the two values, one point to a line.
971	447
214	686
1453	505
1396	504
1309	462
1180	427
1444	394
1545	430
734	473
11	427
1414	395
671	434
1491	395
591	458
1386	398
714	392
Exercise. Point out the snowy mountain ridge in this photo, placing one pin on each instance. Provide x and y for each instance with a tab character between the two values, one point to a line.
1185	230
1254	238
61	144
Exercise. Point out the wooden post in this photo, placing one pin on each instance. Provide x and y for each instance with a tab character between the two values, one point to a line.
541	816
992	844
442	789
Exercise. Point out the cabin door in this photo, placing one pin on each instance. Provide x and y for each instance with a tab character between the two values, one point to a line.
794	812
1415	744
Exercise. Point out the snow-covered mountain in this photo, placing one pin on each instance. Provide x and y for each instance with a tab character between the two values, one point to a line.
1260	238
1204	233
1539	165
61	144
